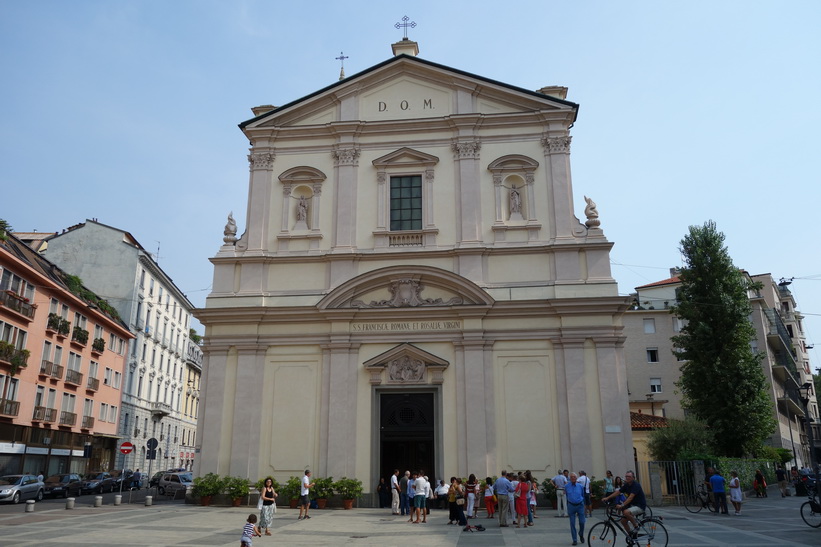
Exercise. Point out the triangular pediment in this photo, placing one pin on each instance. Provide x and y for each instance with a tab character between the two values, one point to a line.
405	156
406	364
405	87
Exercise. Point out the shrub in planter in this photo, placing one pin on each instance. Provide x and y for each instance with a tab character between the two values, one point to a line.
550	492
237	488
349	489
290	490
323	489
208	486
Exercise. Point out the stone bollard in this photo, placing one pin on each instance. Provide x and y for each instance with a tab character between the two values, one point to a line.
118	499
149	500
69	503
98	501
30	506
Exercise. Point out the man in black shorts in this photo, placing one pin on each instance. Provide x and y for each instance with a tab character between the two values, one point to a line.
305	492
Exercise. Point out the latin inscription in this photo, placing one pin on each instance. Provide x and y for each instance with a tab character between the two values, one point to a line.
406	326
385	106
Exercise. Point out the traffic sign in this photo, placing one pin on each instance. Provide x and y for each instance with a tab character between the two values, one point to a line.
151	455
152	443
126	447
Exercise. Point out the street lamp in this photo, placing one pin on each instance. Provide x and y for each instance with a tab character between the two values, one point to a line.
804	393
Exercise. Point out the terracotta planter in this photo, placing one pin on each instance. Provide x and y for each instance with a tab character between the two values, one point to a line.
236	502
347	504
321	503
292	503
205	500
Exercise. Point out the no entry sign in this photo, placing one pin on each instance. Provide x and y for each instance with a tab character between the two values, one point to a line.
126	447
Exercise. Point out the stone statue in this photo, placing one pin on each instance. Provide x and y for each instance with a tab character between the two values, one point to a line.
302	209
230	232
515	201
591	213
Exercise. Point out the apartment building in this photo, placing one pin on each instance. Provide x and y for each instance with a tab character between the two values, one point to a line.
62	364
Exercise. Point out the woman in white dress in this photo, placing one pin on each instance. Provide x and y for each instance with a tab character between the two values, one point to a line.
735	492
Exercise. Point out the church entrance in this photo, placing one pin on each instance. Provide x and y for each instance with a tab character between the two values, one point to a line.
407	433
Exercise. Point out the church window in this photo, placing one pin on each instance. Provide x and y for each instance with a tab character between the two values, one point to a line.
406	203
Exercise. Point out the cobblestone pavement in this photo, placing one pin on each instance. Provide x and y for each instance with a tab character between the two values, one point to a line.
772	521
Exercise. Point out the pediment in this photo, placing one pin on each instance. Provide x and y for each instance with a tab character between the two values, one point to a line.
406	364
406	287
406	87
403	157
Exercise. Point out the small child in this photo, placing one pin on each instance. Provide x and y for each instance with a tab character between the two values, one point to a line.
249	531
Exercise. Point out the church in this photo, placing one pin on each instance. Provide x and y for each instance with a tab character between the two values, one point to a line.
413	289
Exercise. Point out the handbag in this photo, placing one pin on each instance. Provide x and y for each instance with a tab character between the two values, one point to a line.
259	504
460	501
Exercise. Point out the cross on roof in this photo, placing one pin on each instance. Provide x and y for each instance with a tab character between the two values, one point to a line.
404	24
341	59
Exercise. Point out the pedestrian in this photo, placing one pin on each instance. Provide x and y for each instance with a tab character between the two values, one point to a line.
249	531
266	513
420	486
403	493
760	485
618	482
560	481
136	479
490	499
461	520
502	488
411	494
383	493
442	494
304	493
534	490
471	489
781	477
736	498
634	502
521	494
452	490
609	487
514	482
718	483
575	507
395	492
585	480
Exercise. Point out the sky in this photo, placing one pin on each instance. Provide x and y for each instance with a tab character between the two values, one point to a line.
127	112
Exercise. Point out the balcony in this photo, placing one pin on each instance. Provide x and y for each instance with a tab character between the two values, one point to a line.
79	336
74	377
98	346
44	414
16	358
406	239
93	384
9	408
46	367
57	325
160	409
67	418
88	422
20	305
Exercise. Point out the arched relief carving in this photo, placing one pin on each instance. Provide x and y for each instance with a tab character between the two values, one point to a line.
406	364
403	286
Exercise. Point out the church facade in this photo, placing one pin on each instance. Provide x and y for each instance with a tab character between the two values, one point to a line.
413	289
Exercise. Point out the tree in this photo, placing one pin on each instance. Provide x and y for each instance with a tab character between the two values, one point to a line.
681	440
4	227
722	383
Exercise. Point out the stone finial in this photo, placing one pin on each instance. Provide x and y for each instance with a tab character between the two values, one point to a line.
591	213
230	231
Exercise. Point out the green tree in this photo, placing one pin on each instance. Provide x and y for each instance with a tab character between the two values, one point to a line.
722	383
4	227
681	440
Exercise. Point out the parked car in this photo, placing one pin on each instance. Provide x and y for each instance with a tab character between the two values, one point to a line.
97	482
65	485
155	479
173	483
15	488
118	475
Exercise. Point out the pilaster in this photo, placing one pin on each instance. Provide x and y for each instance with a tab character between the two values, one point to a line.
261	163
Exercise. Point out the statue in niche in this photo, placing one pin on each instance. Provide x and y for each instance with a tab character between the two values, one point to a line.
515	202
230	231
405	369
591	213
301	213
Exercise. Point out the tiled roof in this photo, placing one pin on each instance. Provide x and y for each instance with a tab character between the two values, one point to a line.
669	281
639	421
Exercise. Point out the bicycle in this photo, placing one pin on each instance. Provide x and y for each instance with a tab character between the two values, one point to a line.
699	500
811	511
650	532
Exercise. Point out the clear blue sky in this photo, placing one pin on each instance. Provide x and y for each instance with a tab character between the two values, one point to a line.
127	112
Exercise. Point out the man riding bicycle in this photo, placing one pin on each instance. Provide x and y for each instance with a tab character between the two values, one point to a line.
634	504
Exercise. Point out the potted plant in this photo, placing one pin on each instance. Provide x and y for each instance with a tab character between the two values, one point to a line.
237	488
549	491
349	489
323	489
596	493
208	486
290	491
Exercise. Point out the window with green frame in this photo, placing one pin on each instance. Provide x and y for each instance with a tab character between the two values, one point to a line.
406	203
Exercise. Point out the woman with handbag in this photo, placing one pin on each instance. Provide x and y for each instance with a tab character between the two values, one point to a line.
461	520
266	504
521	495
471	487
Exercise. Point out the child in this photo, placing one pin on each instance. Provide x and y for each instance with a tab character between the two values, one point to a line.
249	531
490	498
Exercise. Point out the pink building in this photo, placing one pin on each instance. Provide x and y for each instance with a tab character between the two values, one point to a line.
62	359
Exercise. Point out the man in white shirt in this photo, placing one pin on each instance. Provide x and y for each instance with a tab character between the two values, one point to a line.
304	492
395	492
420	487
584	480
560	481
